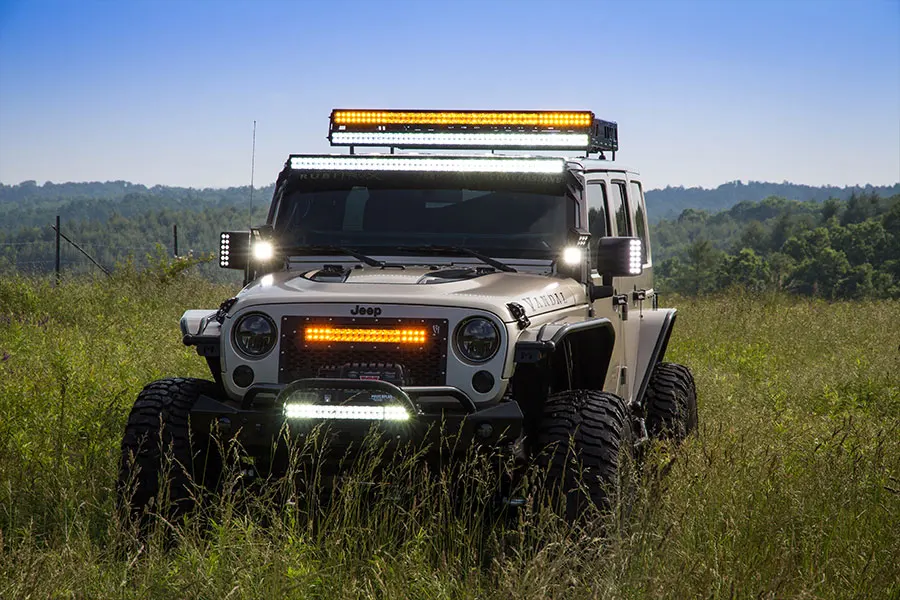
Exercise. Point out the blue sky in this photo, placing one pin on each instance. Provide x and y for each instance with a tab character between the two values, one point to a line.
704	92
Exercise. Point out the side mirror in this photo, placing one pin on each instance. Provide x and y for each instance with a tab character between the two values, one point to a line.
620	257
234	249
246	249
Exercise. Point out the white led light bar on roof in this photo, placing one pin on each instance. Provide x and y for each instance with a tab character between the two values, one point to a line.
293	410
462	140
437	164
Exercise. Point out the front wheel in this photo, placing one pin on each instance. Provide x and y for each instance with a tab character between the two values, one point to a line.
585	442
160	462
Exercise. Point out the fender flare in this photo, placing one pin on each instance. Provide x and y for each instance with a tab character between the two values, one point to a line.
661	331
537	343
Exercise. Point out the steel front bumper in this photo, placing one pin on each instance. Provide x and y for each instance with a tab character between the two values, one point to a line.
436	415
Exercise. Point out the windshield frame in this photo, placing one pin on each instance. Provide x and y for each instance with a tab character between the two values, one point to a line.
567	185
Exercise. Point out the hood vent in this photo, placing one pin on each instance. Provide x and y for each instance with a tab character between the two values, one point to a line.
455	274
329	274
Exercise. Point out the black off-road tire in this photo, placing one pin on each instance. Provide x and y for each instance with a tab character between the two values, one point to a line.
671	401
157	449
585	443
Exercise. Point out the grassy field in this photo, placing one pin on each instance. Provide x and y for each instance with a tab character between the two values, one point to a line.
790	489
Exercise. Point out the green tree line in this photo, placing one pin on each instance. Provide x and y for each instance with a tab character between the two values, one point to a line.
28	204
840	248
670	201
835	250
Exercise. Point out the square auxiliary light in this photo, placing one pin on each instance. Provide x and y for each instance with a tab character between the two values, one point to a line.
514	130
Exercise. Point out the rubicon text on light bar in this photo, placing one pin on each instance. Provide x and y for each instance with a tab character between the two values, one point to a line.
363	335
463	140
444	164
359	413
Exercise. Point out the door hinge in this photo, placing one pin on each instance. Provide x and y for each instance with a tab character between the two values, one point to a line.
622	301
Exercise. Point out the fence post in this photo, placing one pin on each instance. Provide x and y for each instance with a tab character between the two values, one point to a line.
175	239
57	250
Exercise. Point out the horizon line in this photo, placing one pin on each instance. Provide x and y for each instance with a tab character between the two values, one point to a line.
257	187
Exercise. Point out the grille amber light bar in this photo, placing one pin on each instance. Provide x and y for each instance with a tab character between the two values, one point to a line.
364	335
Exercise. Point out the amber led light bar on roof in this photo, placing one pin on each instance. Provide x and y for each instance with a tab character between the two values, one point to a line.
516	130
484	118
364	335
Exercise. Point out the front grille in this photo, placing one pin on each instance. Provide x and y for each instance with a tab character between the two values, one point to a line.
421	364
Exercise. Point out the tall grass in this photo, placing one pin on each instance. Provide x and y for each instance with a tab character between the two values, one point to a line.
791	488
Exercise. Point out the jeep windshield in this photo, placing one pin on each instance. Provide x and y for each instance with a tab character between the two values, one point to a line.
374	213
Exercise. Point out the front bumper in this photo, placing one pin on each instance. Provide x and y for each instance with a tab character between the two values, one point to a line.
456	423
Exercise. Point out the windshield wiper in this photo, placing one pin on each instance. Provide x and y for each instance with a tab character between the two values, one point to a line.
500	266
372	262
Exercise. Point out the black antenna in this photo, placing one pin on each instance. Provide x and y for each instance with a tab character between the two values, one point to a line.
250	215
252	171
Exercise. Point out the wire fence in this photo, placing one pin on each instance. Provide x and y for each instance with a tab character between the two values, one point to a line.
38	257
82	257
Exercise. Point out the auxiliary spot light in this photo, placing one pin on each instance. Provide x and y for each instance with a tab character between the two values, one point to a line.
572	255
263	251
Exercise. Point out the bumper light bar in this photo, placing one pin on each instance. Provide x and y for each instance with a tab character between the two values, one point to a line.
514	130
357	413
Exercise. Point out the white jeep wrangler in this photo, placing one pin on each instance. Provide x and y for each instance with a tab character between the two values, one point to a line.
504	300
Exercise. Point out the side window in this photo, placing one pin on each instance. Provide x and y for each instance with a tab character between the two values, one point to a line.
619	207
640	218
597	209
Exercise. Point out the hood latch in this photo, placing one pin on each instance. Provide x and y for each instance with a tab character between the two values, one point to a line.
518	313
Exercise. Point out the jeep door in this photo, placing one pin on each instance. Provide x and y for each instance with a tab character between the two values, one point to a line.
600	225
630	219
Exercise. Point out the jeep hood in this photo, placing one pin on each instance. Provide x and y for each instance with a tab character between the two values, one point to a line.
490	291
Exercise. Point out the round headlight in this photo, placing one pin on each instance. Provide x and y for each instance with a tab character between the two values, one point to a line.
477	339
255	335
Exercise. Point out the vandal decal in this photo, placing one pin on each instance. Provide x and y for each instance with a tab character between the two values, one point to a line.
545	300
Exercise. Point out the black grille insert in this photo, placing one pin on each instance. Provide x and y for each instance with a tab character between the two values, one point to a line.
420	364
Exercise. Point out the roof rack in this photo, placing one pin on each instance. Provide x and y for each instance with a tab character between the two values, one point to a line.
473	129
